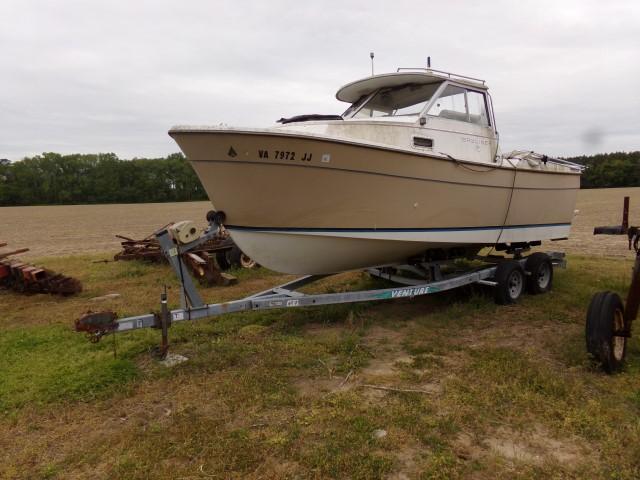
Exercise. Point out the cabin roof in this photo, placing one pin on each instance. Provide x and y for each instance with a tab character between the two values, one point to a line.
351	92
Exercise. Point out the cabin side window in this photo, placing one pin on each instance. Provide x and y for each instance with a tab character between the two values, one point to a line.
457	103
450	104
478	112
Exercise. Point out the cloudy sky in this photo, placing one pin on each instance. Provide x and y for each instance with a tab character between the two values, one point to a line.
113	76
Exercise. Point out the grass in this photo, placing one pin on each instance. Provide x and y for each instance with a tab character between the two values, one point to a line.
42	365
280	394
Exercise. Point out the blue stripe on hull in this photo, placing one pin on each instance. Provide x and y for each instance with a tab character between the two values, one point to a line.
441	229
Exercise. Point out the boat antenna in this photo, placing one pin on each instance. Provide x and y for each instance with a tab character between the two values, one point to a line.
428	62
371	55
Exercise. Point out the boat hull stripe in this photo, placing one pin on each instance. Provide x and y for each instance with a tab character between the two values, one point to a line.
348	230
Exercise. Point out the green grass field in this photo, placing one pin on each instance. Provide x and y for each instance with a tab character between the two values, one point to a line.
498	392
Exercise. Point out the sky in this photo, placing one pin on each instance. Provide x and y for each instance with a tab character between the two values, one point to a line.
114	76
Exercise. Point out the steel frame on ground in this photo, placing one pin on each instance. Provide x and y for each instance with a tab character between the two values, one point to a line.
288	296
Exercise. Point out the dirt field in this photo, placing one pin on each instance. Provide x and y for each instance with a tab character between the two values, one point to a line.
67	230
448	386
601	207
75	229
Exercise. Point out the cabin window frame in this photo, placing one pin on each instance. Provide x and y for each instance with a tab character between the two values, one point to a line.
442	88
486	106
365	101
436	95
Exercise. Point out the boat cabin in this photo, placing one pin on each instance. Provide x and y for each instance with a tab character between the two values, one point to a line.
418	95
453	114
424	110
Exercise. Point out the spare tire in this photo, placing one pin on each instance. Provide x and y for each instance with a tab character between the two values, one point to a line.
606	331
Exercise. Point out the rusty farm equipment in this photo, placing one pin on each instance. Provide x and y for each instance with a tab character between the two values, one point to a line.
26	278
206	262
609	320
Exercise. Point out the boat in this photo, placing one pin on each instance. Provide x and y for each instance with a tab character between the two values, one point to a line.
411	171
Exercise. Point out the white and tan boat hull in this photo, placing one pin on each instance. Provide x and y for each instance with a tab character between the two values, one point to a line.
312	205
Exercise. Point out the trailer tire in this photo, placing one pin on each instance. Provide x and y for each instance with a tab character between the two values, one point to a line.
540	270
510	281
593	323
605	329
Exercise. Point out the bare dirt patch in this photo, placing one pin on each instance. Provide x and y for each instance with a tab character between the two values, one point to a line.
407	457
535	446
599	207
388	354
313	387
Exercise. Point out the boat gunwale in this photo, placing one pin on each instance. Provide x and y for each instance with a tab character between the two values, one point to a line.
179	130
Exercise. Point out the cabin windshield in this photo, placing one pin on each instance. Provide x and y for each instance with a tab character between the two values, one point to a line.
393	101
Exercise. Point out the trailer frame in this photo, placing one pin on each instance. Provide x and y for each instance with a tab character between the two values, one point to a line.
413	281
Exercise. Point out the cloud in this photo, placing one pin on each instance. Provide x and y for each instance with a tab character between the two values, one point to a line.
114	76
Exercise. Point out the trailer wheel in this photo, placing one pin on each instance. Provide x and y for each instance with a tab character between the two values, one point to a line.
540	268
605	330
510	282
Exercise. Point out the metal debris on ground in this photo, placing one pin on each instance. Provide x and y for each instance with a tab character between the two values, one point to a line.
206	262
97	324
27	278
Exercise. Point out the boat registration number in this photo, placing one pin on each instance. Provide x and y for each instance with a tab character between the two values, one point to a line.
285	155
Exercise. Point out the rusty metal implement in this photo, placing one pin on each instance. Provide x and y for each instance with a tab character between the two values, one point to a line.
26	278
609	320
96	324
201	261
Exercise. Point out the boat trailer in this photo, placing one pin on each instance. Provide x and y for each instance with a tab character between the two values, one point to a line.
508	277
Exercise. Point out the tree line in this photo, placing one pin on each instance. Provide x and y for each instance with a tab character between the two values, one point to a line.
606	170
54	179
